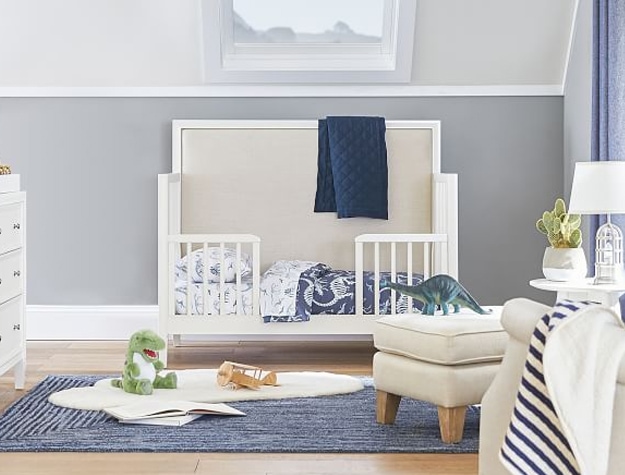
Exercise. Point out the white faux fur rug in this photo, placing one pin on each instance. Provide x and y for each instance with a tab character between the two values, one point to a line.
201	385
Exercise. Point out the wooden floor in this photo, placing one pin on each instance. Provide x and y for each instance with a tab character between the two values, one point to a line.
108	357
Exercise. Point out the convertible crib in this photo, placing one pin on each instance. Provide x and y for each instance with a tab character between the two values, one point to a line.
236	219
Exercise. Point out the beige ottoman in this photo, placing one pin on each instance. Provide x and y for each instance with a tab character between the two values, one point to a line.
446	360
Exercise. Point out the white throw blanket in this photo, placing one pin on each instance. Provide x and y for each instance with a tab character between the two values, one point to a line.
562	419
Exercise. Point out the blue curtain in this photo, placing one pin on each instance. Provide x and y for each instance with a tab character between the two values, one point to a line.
608	128
608	105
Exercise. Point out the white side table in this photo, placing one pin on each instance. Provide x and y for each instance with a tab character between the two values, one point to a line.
606	294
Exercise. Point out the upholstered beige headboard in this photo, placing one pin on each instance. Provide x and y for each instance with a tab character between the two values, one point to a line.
259	177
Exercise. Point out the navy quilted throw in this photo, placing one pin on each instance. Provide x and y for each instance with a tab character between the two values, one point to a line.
352	172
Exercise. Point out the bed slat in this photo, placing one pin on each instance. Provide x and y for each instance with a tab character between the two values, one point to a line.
409	271
205	279
376	278
238	278
222	277
188	289
393	276
256	277
359	268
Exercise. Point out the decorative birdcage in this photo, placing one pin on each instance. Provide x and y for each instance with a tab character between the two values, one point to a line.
609	254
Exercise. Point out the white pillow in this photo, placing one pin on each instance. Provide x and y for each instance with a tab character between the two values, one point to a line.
213	255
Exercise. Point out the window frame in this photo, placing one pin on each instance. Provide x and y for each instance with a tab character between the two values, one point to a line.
225	62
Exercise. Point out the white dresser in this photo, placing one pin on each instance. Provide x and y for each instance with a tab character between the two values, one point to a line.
12	278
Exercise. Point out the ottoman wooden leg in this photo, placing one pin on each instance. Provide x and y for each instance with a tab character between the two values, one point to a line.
386	407
451	422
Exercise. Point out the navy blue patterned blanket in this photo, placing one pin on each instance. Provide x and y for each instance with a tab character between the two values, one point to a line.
352	173
322	290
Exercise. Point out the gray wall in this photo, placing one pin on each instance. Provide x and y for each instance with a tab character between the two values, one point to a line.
89	166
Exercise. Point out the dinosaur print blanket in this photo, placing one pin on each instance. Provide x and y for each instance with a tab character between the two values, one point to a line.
292	291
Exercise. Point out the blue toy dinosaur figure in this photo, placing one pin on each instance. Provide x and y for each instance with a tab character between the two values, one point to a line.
442	290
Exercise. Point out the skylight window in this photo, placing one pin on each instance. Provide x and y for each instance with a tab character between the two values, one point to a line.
304	41
271	22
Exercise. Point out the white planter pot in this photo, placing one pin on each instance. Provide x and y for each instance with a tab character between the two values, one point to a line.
564	264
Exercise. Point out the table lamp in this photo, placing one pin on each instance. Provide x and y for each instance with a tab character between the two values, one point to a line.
599	188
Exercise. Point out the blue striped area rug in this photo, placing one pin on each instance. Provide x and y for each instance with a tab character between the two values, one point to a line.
326	424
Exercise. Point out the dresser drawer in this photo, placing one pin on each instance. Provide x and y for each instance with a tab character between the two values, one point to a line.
10	326
11	227
11	281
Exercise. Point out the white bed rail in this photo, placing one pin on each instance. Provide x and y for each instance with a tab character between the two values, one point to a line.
182	245
430	244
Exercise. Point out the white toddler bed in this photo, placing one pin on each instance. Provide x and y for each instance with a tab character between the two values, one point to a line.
237	184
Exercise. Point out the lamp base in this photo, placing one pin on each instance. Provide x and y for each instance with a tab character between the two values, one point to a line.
608	254
608	274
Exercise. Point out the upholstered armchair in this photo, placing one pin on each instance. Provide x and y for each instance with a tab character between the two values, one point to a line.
519	318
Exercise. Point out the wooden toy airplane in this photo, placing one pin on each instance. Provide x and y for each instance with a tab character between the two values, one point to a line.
236	375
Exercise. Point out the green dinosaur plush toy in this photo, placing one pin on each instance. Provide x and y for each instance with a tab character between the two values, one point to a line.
441	291
140	375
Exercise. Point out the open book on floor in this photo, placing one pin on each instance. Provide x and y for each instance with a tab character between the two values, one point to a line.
171	413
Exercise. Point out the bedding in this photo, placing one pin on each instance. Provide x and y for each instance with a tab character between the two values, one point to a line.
293	291
212	296
213	255
321	290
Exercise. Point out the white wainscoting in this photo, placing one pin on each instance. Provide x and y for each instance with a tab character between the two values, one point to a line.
118	322
106	322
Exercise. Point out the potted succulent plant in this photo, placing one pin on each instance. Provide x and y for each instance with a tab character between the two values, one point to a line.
564	259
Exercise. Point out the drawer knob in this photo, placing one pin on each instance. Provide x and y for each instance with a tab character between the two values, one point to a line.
16	273
16	326
16	225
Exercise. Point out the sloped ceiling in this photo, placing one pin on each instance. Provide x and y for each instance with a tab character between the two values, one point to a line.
158	42
492	42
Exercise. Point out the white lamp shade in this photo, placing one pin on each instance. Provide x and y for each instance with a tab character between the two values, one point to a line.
598	188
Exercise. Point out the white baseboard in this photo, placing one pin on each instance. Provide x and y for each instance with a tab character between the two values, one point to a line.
106	322
119	322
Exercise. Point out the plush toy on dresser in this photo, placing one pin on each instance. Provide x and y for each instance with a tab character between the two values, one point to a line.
140	375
